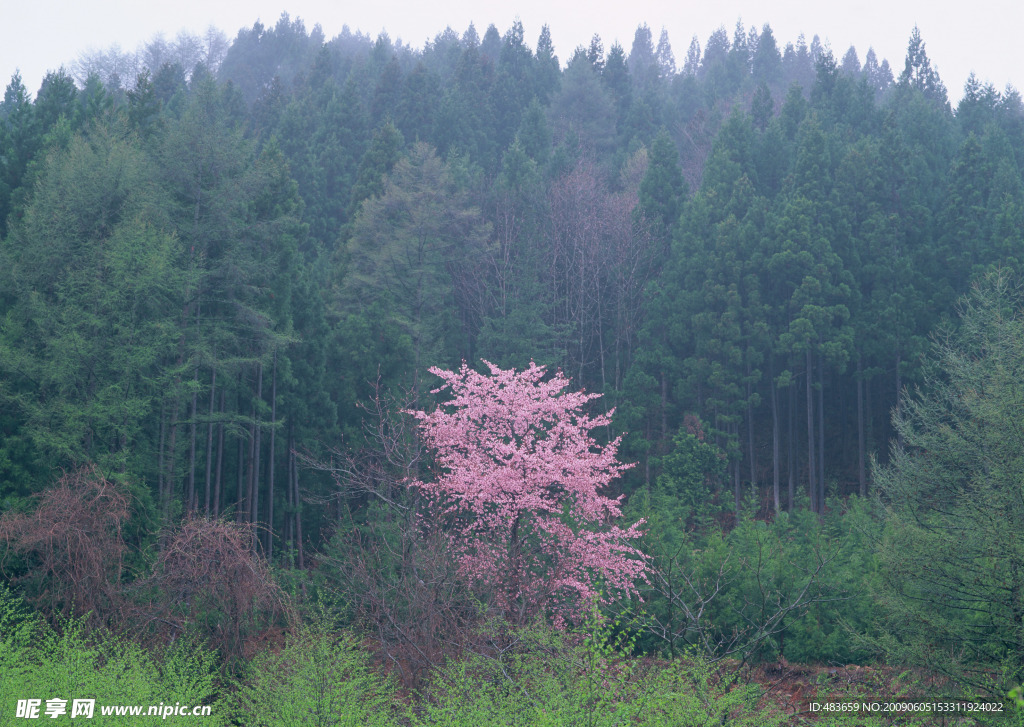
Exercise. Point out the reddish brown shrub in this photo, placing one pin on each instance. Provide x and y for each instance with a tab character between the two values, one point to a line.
208	579
72	546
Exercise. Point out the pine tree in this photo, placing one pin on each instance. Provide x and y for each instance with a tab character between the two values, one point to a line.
952	592
918	73
96	296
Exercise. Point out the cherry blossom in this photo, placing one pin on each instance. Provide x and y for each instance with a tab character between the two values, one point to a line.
518	488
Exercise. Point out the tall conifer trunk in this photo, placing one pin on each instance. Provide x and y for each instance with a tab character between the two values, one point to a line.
750	435
161	480
270	462
776	495
791	444
812	469
821	435
254	479
899	402
289	525
171	446
869	425
861	478
241	503
297	497
220	455
736	492
209	439
664	405
190	495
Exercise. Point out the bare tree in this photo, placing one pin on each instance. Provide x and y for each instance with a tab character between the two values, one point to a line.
598	264
208	577
400	582
114	67
73	544
690	590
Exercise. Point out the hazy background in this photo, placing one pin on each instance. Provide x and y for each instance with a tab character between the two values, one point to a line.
983	36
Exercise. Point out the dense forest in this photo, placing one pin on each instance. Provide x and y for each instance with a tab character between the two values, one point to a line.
241	283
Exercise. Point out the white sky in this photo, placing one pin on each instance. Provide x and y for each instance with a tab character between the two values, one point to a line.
986	36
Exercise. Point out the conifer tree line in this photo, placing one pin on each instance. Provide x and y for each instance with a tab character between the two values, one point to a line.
205	269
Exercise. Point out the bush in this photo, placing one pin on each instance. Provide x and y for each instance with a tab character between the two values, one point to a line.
799	586
316	679
547	678
209	580
72	545
68	663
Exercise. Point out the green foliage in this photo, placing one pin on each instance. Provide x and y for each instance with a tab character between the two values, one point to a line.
96	288
832	627
404	246
798	587
18	628
662	189
67	662
951	550
690	474
586	679
317	678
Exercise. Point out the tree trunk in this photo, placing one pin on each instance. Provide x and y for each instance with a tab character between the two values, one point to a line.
600	338
737	497
750	436
664	405
254	479
171	445
220	455
647	453
861	475
209	439
791	444
289	525
736	493
821	435
270	463
297	496
869	413
240	504
190	495
776	495
899	398
161	480
812	469
171	485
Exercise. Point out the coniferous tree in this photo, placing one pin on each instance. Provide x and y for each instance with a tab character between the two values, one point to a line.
97	286
404	247
952	591
918	73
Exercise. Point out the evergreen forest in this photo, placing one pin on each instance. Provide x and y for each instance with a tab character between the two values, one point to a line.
345	382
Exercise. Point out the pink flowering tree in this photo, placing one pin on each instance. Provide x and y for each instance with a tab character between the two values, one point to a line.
518	488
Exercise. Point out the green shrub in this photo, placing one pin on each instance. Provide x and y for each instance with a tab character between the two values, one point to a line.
316	679
799	586
551	679
69	663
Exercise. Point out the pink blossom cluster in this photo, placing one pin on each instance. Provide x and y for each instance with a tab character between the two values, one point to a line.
518	487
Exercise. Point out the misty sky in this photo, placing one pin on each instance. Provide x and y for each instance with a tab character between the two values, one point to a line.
984	35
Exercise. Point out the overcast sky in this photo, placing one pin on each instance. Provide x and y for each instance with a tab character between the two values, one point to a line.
983	35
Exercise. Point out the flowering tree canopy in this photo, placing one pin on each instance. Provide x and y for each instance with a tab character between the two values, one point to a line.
518	485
